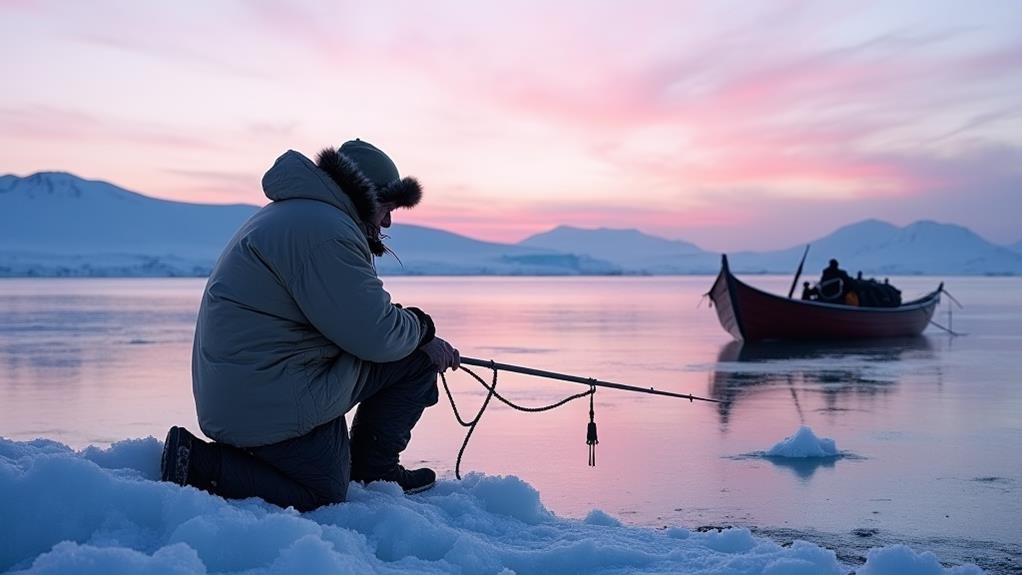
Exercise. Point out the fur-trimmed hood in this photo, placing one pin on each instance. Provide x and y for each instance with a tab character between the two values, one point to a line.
336	180
403	193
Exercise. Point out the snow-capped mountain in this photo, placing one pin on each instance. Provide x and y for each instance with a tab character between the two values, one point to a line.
54	223
879	248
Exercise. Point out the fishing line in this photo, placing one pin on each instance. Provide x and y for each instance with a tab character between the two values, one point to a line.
592	384
491	392
949	308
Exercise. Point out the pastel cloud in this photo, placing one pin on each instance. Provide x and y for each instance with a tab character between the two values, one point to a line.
681	118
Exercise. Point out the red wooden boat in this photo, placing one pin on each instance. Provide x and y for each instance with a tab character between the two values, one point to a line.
749	314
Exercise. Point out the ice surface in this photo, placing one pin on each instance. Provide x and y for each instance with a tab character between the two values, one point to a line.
100	511
804	444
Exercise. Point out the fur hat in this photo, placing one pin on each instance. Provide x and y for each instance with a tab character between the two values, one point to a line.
380	170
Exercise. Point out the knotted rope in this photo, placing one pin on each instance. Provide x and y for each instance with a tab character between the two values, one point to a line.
492	392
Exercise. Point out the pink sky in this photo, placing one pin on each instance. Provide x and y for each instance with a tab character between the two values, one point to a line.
718	123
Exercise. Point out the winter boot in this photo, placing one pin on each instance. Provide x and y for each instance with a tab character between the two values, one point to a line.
177	455
410	480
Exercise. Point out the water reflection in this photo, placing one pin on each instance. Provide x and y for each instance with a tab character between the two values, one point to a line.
834	372
803	468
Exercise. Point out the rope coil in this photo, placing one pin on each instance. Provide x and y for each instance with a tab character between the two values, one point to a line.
492	392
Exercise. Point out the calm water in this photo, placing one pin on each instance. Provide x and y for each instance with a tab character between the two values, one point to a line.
934	425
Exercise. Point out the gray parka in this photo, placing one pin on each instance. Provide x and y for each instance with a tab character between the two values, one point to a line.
293	312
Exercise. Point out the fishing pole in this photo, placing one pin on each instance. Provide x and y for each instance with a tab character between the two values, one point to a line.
582	380
591	436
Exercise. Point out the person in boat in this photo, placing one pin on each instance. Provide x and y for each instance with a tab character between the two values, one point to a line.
295	329
835	283
810	293
893	293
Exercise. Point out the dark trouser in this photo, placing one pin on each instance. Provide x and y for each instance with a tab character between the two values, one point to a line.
314	469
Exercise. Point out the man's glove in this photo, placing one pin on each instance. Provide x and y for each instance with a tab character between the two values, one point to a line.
426	327
442	354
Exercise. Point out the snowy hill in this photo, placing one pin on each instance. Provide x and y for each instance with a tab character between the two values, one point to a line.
879	248
428	251
616	245
1016	247
54	223
630	249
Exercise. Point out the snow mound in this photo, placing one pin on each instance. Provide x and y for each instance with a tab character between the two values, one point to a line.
804	444
599	517
901	559
99	511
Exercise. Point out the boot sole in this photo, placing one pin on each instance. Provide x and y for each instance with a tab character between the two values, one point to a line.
409	491
174	460
420	489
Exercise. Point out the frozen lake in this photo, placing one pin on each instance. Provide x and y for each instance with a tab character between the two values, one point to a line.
933	425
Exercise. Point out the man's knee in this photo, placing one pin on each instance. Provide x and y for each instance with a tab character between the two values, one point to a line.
421	378
421	365
412	377
334	487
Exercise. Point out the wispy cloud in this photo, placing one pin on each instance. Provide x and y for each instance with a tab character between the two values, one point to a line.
685	118
76	126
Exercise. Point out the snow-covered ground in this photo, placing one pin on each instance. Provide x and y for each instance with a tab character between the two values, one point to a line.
102	511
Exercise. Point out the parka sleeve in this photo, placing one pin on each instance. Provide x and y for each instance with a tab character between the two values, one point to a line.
338	291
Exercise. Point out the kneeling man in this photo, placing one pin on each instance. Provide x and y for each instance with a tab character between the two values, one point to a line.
295	329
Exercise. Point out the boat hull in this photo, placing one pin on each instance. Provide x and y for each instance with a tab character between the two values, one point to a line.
750	314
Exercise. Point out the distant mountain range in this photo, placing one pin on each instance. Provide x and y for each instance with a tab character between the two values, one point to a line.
429	251
56	224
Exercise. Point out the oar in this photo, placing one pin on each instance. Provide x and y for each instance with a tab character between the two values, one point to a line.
798	272
581	380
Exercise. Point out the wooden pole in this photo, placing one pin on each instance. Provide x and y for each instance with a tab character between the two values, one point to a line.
798	272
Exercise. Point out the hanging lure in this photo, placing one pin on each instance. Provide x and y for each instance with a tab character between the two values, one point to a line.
591	440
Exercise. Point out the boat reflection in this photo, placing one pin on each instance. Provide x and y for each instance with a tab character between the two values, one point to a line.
830	372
